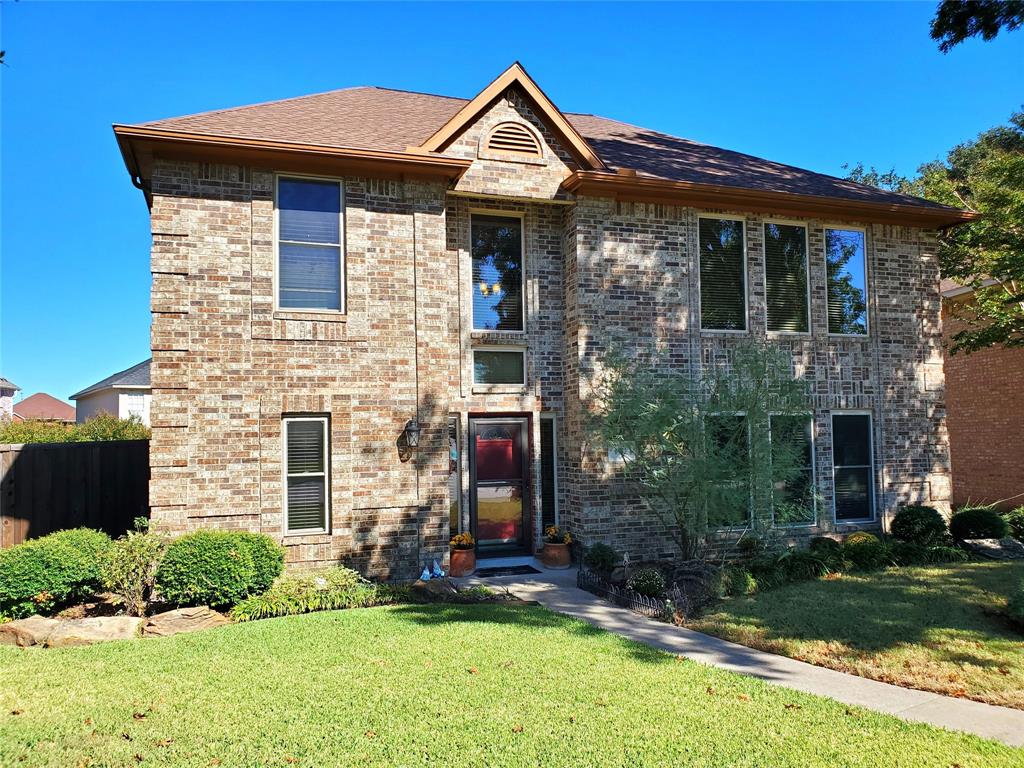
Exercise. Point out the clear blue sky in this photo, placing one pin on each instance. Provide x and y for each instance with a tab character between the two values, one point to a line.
814	85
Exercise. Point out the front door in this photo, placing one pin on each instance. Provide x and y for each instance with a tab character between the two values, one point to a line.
498	488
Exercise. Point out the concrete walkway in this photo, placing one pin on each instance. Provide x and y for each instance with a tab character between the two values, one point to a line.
557	591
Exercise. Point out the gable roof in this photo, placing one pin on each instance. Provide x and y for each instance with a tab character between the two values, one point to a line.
136	377
628	161
43	406
8	384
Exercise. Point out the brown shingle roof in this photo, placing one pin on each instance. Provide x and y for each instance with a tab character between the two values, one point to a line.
43	406
392	120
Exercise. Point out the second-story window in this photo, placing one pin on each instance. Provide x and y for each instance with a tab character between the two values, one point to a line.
847	282
310	255
723	294
785	262
497	246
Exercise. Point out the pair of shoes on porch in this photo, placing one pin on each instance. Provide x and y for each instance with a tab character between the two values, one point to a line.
429	574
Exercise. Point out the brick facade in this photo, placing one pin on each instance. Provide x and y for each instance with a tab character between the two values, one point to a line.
227	365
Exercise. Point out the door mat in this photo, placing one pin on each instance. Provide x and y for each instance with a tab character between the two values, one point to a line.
512	570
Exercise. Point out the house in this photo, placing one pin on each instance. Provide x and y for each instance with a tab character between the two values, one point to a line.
378	317
7	390
43	407
123	394
984	401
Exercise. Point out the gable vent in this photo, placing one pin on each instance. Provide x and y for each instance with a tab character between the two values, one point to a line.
513	137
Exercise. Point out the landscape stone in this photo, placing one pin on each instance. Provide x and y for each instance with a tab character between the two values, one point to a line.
996	549
94	630
183	620
25	632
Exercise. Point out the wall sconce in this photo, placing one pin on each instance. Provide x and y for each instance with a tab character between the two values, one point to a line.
412	433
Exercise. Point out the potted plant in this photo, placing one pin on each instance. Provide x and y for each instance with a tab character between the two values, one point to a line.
556	548
463	555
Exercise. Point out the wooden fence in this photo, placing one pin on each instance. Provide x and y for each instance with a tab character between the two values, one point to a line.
45	487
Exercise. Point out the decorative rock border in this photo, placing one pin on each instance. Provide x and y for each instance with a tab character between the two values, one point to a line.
59	633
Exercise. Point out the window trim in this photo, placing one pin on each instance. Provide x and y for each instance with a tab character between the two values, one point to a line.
814	469
807	262
498	213
326	474
867	279
342	248
553	418
482	386
871	466
746	294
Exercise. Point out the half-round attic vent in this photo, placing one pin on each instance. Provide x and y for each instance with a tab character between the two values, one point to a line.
513	137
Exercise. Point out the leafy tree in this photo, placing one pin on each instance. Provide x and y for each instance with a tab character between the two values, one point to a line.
872	177
957	20
697	450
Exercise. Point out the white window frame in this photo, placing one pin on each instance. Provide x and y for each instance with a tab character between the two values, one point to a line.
867	279
342	281
814	470
871	466
522	259
326	474
807	267
554	450
497	348
750	491
746	296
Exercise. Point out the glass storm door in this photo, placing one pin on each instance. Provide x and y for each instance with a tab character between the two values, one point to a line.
498	488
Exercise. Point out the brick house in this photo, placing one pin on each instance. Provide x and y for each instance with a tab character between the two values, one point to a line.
378	315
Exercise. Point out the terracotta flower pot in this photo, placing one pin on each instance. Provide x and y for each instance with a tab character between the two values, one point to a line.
555	555
463	562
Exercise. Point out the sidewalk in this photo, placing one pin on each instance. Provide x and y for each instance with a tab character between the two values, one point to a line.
557	591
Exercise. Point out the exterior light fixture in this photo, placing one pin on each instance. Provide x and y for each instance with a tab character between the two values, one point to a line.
412	433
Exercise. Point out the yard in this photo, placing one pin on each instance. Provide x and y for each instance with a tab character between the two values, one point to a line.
932	628
477	685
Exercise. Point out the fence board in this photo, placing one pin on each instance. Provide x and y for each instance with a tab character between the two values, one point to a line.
46	487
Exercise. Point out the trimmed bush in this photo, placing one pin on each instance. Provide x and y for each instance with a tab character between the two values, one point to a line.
129	569
216	568
327	589
267	559
647	582
865	551
738	581
919	525
978	523
1015	519
825	545
601	559
100	427
51	571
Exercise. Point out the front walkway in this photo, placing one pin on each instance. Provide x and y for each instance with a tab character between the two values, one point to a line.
557	591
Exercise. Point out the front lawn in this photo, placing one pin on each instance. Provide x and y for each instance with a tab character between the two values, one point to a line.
446	685
932	628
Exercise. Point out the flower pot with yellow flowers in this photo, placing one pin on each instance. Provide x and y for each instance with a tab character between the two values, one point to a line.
555	553
463	555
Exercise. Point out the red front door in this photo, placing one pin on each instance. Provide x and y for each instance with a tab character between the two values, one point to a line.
498	488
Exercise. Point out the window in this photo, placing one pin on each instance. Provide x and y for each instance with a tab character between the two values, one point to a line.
135	402
310	271
853	468
846	264
728	435
723	295
793	497
785	264
306	468
497	273
454	477
513	137
499	366
548	472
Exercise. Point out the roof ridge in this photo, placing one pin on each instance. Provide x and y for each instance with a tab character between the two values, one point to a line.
415	93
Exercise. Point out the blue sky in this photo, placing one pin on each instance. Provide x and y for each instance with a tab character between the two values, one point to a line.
814	85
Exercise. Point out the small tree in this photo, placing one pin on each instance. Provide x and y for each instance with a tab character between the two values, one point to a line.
699	450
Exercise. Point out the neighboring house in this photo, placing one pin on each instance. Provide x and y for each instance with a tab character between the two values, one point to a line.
7	390
984	404
43	407
124	394
378	316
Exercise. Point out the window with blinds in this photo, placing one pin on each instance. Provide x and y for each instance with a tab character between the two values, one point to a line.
853	467
846	264
306	469
791	436
785	264
310	257
723	295
497	246
728	436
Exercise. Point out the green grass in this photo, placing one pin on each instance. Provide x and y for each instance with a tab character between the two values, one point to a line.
935	628
472	685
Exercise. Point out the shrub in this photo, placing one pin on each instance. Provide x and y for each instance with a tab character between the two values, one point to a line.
1015	608
647	582
1015	519
321	590
825	545
101	427
919	525
601	558
978	523
130	567
216	568
803	564
267	559
749	546
44	573
865	551
738	581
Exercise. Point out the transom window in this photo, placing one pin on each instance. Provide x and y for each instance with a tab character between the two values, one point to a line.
853	467
310	254
499	366
723	295
846	264
497	249
785	261
306	470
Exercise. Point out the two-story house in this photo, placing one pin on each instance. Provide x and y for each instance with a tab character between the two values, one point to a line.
378	316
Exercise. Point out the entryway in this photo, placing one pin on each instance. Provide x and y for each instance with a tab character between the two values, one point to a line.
498	485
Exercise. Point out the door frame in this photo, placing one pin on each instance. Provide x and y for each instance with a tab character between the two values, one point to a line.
527	523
